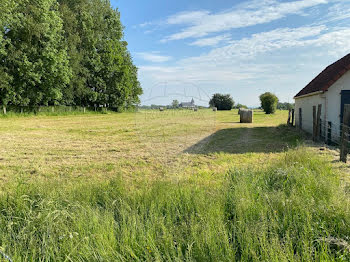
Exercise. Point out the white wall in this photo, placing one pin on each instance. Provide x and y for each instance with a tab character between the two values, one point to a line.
334	99
306	104
331	102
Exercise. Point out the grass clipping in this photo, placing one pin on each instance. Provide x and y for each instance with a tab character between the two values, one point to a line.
296	209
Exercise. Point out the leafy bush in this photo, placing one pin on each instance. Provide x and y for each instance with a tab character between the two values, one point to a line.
269	102
222	102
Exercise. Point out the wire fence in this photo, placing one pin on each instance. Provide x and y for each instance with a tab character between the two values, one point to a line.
330	133
335	134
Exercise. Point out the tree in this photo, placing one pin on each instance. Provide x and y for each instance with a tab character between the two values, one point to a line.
175	104
238	106
103	70
222	102
285	106
76	91
68	52
269	102
7	17
37	60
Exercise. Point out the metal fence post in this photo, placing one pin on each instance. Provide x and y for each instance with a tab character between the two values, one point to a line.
314	130
344	147
318	122
289	117
329	133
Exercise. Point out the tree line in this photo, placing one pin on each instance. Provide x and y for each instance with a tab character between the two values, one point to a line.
65	52
269	103
224	102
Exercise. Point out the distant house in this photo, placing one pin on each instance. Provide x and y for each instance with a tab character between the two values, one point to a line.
188	104
331	89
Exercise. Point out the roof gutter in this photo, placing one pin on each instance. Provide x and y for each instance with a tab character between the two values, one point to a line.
310	94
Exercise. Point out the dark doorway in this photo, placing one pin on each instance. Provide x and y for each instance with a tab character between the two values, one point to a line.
345	99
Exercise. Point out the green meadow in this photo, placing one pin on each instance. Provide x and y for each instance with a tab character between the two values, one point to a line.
176	185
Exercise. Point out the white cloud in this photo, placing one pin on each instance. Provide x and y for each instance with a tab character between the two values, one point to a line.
281	60
187	17
145	24
211	41
153	57
338	11
158	69
202	23
339	40
229	61
248	48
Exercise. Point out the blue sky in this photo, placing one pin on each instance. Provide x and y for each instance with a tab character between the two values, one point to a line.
195	48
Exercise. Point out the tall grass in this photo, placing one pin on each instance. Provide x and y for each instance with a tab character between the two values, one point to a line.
51	111
294	210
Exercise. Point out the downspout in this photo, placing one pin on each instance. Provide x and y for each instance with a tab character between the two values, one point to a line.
325	123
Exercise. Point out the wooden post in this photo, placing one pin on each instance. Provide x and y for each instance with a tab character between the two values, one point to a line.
314	123
293	116
329	133
84	109
289	117
4	110
318	122
344	147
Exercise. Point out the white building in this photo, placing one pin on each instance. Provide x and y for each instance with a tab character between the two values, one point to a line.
331	89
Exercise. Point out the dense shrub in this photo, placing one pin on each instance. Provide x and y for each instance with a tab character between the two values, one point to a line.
222	102
269	102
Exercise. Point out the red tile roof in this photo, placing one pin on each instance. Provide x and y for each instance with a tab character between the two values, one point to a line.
327	77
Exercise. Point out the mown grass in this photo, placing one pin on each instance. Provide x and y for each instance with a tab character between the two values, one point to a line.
138	146
165	187
293	210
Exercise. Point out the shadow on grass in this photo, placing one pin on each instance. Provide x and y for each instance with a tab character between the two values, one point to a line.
248	140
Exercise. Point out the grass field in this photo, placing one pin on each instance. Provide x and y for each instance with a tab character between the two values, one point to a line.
169	186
